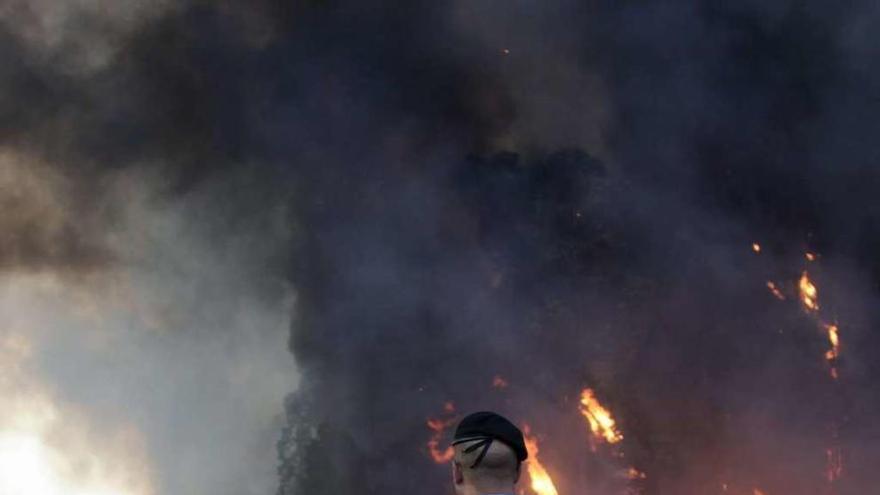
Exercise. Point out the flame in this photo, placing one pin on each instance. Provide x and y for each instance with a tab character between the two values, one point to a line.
541	482
775	290
601	423
438	427
834	338
809	293
834	352
756	247
810	256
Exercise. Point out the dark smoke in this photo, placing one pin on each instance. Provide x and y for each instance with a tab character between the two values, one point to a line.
563	195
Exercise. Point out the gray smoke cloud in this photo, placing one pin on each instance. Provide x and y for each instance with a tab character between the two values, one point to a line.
561	195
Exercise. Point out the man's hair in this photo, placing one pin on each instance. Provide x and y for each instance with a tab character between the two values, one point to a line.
498	469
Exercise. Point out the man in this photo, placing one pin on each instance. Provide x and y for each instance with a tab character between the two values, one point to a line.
489	450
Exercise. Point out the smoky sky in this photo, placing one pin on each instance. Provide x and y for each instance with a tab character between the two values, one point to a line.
561	193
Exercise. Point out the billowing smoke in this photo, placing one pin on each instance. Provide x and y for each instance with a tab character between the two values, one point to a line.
417	199
146	308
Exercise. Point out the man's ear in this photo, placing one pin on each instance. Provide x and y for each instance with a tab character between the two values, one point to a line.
457	473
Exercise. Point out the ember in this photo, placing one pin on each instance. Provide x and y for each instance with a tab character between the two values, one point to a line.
775	291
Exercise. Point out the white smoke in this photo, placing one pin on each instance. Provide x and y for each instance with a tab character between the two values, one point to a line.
161	372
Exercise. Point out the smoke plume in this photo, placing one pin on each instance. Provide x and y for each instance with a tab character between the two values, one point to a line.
417	198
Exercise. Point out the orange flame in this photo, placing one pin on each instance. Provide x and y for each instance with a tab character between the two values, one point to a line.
809	293
834	338
601	423
834	352
437	455
541	482
756	247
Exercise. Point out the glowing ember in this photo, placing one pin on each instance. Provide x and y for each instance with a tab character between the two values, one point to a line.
756	247
499	382
809	293
834	338
832	354
438	427
601	423
541	482
757	492
634	474
810	256
775	291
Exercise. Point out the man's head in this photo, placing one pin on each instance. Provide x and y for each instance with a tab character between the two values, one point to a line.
488	452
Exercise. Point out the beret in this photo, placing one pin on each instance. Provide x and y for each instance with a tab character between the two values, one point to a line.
488	426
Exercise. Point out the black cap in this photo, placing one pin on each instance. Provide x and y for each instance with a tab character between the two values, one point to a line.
488	426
